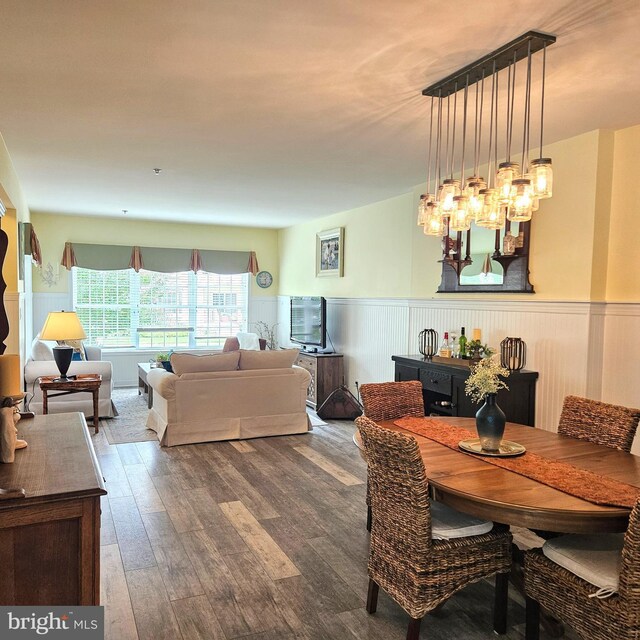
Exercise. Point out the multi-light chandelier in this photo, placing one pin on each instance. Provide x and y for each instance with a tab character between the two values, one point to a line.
512	190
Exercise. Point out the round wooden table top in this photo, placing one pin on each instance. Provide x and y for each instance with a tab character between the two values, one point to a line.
469	484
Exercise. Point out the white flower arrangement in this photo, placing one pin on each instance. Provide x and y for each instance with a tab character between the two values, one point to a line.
485	379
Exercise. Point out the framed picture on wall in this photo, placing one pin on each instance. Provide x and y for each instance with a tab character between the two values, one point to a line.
330	252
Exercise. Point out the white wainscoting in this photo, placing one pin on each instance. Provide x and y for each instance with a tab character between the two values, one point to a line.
621	354
581	348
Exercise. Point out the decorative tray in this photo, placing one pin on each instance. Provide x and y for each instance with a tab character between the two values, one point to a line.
507	448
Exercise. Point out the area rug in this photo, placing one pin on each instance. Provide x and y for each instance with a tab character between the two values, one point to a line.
129	425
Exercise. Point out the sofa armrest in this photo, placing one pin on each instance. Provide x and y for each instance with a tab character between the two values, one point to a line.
163	383
93	353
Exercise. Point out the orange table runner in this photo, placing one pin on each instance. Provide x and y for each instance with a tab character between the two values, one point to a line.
559	475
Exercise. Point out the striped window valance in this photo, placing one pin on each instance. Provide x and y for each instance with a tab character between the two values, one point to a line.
104	257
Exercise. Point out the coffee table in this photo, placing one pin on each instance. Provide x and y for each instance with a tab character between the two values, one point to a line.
82	383
143	385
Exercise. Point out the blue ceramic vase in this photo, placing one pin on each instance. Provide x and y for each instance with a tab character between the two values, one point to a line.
490	421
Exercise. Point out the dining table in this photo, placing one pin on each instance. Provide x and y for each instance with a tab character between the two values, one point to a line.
467	482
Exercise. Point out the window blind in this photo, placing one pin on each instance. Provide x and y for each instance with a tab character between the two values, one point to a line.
121	308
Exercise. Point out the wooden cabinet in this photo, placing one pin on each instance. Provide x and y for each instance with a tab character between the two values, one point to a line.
50	539
444	393
326	375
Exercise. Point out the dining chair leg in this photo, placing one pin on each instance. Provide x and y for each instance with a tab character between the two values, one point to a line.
413	632
372	596
501	596
532	629
369	518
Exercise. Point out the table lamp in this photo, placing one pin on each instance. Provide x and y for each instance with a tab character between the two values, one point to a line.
61	326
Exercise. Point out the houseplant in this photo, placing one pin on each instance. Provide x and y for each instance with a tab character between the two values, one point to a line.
164	360
267	333
483	383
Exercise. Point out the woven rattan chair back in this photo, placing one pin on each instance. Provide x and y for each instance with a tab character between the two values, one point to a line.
401	529
599	422
391	400
417	572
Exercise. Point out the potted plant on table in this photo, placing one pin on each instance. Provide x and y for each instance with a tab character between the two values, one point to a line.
484	382
164	360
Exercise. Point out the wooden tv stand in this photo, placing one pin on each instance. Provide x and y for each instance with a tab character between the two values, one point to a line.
326	375
50	538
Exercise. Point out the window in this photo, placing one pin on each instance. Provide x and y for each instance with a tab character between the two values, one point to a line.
160	310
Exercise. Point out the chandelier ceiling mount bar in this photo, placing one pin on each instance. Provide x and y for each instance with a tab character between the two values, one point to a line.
503	57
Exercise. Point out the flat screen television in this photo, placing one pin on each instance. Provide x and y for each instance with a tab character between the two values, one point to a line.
308	321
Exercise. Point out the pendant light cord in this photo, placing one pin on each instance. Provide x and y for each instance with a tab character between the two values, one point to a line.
493	90
453	133
525	125
544	69
429	154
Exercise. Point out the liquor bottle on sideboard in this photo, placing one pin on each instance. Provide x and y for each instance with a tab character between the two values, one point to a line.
462	344
445	347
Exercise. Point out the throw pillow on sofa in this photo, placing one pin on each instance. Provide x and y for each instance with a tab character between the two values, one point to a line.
283	358
189	363
41	350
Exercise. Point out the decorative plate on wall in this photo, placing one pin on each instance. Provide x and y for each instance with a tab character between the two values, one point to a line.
264	279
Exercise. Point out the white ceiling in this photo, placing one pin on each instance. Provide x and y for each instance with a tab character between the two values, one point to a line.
269	112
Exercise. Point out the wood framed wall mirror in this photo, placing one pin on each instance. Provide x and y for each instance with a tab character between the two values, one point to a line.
480	260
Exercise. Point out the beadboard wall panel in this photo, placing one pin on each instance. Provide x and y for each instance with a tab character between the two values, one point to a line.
556	335
581	348
621	355
368	334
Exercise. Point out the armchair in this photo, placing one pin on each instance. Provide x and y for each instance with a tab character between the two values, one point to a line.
82	402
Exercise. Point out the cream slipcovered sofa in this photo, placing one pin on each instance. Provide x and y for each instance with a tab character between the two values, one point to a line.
228	396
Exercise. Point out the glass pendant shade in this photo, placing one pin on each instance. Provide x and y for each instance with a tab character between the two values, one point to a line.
492	215
542	177
434	223
460	220
472	185
448	191
476	198
422	213
522	206
507	173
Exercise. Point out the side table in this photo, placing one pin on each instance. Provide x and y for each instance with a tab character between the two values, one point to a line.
83	383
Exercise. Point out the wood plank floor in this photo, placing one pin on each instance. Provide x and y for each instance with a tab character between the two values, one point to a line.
261	540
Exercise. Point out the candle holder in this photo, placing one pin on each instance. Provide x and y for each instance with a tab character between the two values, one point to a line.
513	354
428	342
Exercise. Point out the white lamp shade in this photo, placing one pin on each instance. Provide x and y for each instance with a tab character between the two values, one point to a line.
61	326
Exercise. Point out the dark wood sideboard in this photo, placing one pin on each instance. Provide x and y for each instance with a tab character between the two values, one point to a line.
444	394
326	375
50	539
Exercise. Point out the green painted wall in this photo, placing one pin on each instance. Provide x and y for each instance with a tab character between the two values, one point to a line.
54	230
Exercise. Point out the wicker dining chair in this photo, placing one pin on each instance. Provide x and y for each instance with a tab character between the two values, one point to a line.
388	401
419	572
566	596
599	422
